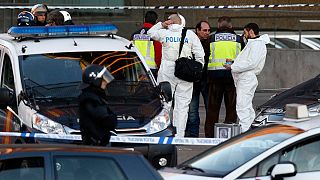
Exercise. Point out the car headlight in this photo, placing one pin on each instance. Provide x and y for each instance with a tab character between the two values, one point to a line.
159	123
46	125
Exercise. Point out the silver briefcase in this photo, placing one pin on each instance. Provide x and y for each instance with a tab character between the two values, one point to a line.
222	130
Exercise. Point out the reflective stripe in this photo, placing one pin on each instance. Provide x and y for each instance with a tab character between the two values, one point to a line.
220	51
146	48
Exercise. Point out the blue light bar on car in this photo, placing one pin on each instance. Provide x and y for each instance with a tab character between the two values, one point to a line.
62	31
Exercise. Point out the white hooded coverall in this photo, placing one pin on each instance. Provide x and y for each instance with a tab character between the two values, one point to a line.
246	66
170	39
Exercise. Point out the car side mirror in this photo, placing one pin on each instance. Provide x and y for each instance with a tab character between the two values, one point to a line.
165	89
283	169
6	98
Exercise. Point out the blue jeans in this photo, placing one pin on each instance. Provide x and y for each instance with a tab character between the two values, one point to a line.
193	123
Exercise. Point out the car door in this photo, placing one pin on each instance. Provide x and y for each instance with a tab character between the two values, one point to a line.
304	154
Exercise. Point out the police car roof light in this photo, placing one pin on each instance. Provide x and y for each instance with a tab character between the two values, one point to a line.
70	30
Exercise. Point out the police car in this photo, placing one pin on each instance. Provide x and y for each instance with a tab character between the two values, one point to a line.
289	150
41	69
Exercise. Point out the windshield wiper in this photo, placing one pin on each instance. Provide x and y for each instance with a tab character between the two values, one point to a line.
189	167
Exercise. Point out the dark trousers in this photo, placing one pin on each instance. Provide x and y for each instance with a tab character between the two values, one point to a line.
220	88
193	123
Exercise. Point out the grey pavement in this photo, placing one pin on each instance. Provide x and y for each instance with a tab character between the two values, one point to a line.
186	152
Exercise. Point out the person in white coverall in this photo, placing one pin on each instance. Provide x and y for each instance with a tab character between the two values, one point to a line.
248	64
169	34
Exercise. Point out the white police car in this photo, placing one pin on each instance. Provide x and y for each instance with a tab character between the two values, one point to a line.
289	150
41	69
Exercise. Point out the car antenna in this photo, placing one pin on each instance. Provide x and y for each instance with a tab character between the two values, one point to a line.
74	42
23	48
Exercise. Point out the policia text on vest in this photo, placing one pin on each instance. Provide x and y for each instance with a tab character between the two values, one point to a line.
144	44
223	46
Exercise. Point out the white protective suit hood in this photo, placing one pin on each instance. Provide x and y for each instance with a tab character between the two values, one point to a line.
183	20
178	27
175	27
265	38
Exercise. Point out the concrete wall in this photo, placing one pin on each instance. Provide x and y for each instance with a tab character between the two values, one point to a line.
287	68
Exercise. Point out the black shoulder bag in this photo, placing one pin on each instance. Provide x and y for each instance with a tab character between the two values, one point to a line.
187	69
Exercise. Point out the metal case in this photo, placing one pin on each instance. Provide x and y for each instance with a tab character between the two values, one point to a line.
222	130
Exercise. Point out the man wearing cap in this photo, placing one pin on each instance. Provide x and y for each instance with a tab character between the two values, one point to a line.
169	34
96	118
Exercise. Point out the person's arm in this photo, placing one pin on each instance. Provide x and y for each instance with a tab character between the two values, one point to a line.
256	50
154	31
157	52
197	48
157	31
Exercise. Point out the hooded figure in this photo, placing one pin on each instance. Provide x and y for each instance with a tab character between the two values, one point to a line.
248	64
169	34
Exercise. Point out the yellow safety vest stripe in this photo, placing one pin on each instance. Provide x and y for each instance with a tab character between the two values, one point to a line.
146	48
220	51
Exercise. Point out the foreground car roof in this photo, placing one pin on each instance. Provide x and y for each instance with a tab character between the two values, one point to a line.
18	148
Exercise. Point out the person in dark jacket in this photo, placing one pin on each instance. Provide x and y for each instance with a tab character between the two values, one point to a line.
193	124
96	118
225	46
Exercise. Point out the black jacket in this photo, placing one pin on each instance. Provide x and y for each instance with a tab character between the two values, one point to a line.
96	118
206	47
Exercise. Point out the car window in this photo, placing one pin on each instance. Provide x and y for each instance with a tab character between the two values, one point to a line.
54	77
221	160
58	75
29	168
89	168
263	168
305	155
7	74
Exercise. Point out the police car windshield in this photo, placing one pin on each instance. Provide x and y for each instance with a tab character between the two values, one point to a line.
223	159
58	75
307	93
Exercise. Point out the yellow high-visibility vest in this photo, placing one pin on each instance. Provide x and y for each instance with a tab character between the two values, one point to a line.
146	48
224	46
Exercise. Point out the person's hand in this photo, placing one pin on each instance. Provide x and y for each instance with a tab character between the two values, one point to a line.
166	23
227	66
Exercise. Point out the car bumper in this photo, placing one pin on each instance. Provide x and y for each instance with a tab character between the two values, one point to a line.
159	155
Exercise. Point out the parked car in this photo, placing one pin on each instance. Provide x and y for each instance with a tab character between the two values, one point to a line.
72	162
307	93
288	150
41	69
